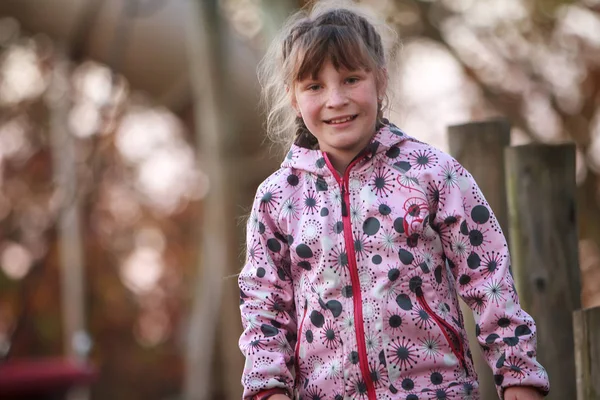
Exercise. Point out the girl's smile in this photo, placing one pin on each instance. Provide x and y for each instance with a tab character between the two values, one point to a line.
341	120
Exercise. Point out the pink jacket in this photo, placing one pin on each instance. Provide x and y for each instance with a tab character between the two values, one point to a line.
349	289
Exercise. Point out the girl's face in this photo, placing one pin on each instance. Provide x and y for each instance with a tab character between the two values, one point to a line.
339	108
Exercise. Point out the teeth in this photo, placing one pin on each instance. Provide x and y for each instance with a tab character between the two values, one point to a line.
339	121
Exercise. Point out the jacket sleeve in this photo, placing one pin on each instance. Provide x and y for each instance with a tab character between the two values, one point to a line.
266	304
477	254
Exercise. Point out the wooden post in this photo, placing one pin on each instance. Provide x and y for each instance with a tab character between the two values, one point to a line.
72	269
69	237
589	256
214	302
214	362
479	147
586	329
541	197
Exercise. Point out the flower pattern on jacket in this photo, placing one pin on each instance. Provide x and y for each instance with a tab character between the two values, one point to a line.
350	285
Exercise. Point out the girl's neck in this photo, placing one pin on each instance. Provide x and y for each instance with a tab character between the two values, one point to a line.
341	162
340	166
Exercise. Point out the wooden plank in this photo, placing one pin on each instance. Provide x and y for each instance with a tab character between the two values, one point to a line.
543	230
214	362
71	255
589	256
76	341
586	330
479	147
213	316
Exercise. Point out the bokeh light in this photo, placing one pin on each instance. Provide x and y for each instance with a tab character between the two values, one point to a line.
20	75
15	260
142	269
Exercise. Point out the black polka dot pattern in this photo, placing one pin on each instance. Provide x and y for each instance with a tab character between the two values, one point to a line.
351	282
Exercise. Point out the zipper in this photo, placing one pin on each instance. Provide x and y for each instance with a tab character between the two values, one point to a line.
456	347
356	293
298	339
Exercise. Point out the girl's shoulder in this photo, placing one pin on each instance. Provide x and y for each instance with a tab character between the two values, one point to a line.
271	182
425	155
410	143
280	184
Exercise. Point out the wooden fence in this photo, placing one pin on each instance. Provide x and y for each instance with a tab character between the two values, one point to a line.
534	186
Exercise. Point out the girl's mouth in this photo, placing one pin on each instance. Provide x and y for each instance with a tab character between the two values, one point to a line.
341	120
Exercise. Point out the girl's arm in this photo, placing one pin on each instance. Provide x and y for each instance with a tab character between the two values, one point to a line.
477	254
521	393
279	397
267	306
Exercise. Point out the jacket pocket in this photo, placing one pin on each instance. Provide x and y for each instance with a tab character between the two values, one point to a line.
452	336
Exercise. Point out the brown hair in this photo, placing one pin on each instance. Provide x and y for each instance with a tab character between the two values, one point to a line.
344	35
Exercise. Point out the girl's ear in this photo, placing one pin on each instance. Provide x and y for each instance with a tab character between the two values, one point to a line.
295	106
293	101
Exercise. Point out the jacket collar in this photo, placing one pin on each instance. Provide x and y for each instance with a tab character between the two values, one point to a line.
313	161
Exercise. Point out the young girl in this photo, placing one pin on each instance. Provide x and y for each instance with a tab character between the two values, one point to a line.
359	244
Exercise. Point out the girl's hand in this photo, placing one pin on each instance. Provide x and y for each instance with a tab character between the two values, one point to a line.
279	397
522	393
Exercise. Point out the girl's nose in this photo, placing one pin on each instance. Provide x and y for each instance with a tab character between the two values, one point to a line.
336	98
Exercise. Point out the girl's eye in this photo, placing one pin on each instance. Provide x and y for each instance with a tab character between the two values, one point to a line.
352	80
313	87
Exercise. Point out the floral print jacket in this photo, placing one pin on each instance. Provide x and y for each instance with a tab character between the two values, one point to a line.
350	286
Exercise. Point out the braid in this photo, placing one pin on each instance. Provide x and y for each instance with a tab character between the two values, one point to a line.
297	31
372	40
339	18
303	137
366	31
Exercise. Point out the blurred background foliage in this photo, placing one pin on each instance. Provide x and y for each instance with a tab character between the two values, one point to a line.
120	77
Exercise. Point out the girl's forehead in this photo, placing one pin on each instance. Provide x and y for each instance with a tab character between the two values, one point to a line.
344	52
329	67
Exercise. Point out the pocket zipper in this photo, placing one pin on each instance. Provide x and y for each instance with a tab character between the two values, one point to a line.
298	339
445	327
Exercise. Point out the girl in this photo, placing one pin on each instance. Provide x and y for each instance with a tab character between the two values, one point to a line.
359	244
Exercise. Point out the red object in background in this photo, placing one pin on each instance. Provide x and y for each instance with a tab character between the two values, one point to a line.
42	379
